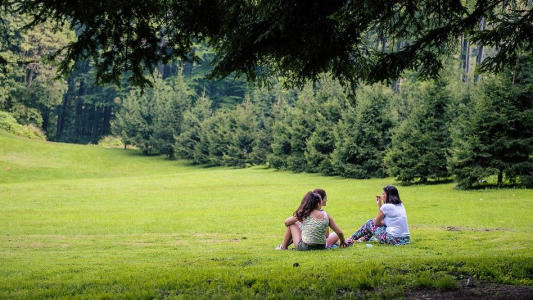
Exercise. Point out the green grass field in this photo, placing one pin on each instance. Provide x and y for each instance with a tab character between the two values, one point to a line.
86	222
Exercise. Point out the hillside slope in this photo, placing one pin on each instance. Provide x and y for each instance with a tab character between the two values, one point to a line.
22	160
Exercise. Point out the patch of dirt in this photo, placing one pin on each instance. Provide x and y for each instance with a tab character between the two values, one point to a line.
456	228
481	291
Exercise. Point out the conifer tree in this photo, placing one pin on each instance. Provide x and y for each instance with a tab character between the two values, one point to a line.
216	135
326	110
144	118
420	144
242	133
302	124
362	135
190	144
170	100
319	147
281	146
497	139
128	120
263	105
291	130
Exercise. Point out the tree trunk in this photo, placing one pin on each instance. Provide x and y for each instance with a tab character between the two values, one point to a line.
480	49
62	113
465	56
479	60
46	119
396	86
467	60
500	178
97	123
171	155
79	112
108	114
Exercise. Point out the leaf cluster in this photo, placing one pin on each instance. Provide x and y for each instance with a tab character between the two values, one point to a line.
297	40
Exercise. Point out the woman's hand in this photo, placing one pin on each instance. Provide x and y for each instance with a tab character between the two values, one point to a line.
290	220
378	201
343	244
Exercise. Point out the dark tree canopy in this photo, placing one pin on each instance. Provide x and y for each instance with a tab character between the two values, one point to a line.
295	39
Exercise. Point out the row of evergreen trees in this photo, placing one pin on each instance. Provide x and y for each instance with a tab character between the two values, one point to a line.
75	108
420	132
430	131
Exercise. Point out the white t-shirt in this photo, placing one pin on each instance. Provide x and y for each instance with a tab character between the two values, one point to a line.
395	219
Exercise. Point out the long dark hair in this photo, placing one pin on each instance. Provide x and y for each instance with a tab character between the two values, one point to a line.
309	203
393	196
321	192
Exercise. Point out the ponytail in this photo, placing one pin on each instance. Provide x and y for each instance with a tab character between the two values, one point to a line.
308	204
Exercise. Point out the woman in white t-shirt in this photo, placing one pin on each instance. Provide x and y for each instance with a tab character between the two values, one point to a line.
390	225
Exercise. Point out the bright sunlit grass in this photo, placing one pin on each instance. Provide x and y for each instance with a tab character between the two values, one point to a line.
89	222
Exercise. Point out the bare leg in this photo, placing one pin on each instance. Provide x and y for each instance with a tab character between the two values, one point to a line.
332	239
287	238
296	234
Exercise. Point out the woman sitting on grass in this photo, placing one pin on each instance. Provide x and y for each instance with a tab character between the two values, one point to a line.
314	222
288	234
389	226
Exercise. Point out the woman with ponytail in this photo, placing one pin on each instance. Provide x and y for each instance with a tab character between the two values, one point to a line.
308	225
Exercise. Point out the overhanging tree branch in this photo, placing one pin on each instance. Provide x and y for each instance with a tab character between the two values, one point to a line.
296	39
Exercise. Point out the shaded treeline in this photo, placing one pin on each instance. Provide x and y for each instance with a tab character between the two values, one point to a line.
461	126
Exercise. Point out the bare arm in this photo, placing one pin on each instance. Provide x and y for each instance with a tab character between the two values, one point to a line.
290	220
378	221
338	231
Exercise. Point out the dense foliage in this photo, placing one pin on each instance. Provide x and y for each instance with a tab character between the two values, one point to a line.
294	39
449	128
421	143
465	125
496	137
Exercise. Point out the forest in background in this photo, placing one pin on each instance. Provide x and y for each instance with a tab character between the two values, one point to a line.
475	129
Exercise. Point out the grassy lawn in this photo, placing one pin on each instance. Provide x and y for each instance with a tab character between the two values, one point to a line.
80	222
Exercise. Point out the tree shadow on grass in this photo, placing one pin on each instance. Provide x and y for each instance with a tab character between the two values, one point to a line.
429	182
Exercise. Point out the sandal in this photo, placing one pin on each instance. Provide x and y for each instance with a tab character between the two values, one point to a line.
280	248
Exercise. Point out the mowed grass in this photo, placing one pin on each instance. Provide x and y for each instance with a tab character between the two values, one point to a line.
86	222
